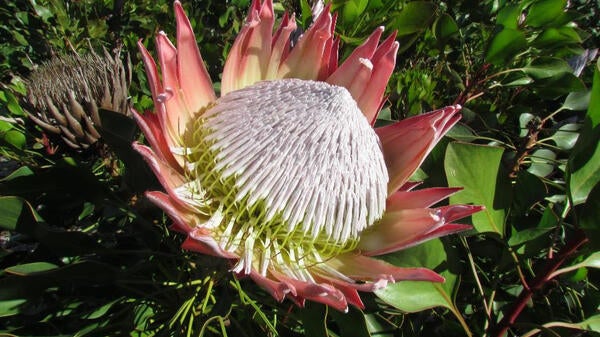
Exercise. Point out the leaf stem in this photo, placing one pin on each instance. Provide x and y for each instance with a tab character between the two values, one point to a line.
538	283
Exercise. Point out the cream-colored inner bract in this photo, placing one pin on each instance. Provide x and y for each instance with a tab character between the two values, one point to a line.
290	172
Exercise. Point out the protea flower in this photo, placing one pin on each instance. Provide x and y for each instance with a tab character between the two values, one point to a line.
283	174
65	94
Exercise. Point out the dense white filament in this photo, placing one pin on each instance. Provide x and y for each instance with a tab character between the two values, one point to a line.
306	150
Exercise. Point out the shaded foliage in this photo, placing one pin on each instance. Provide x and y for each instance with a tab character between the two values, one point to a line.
83	253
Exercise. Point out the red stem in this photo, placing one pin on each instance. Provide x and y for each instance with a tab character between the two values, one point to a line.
538	283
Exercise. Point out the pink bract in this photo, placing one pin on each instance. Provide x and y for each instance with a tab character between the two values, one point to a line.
183	93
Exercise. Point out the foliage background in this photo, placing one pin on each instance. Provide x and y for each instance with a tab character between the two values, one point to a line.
82	252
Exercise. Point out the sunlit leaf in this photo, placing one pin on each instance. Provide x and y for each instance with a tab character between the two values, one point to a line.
475	168
583	168
415	296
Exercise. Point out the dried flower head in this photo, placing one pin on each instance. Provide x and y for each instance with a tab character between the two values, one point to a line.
65	94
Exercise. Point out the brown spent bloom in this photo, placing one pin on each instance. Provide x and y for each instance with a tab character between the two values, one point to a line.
65	94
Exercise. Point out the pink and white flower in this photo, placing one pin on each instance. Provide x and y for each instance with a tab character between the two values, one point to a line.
283	174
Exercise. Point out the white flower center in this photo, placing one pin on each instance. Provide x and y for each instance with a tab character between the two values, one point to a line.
288	162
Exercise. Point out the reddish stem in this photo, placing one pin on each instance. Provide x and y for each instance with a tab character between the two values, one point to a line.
538	283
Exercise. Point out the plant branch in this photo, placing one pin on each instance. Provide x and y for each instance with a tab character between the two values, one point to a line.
538	283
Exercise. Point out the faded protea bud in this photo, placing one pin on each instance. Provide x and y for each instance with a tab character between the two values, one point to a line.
65	94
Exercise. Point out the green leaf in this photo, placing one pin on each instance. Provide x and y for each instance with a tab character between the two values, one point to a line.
545	67
591	324
10	307
415	296
583	168
543	12
589	215
505	45
30	268
414	17
578	100
353	9
444	28
509	16
566	136
476	169
527	235
557	37
542	162
313	318
352	323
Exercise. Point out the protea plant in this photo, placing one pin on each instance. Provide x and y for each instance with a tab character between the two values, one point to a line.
65	94
283	174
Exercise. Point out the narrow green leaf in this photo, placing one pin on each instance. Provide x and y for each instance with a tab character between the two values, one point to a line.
591	324
476	169
583	169
30	268
10	307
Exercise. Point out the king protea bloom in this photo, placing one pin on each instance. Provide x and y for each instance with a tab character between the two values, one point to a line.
283	174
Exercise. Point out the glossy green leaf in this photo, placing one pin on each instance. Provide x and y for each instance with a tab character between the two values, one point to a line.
527	235
524	120
505	45
543	12
542	162
556	37
583	169
415	296
476	169
353	9
578	100
30	268
591	324
415	17
10	307
11	135
545	67
444	28
566	136
508	16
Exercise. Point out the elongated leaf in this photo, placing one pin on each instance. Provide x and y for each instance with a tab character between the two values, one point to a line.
583	169
505	44
543	12
545	67
476	169
30	268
